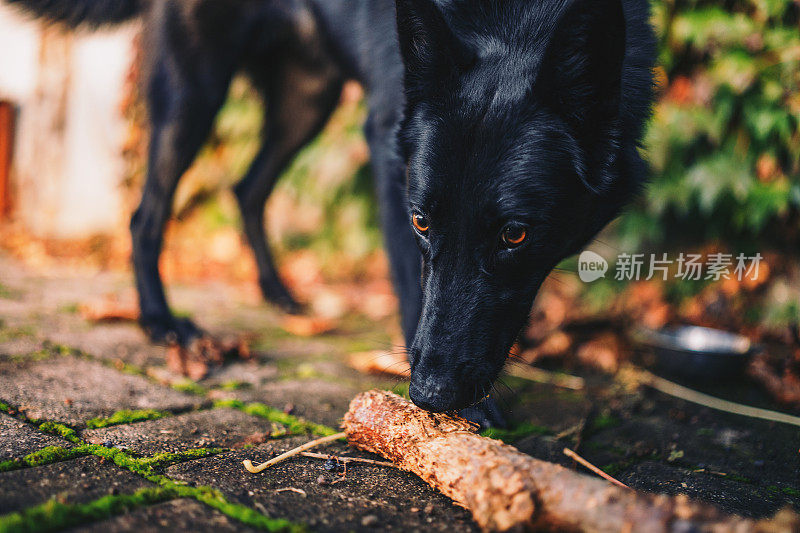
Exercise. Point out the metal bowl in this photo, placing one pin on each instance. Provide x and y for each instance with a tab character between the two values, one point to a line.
698	353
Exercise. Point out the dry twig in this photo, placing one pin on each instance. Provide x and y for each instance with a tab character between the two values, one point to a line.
346	460
577	458
291	453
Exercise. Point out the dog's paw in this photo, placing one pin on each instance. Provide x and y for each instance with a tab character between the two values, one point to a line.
170	330
276	293
486	414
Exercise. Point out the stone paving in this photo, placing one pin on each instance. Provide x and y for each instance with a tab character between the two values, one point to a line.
97	435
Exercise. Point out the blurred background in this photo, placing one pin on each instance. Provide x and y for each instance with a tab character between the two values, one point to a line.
723	142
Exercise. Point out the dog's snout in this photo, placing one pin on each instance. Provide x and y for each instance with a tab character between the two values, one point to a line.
431	396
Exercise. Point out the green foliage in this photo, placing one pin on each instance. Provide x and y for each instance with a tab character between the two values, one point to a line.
724	142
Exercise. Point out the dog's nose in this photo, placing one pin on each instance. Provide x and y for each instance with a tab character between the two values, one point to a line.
431	398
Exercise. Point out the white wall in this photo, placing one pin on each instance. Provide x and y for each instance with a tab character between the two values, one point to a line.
68	163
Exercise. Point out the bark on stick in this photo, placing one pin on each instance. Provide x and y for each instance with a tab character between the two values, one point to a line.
508	490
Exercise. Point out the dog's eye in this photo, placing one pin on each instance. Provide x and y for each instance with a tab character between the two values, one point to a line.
420	222
514	235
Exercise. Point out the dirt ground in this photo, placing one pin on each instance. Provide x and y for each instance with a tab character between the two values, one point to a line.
96	434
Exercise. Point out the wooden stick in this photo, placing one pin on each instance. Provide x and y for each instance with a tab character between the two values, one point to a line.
712	402
505	489
347	459
291	453
575	457
543	376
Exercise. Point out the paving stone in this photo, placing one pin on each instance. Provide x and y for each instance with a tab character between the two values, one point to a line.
168	517
217	428
72	390
18	439
124	341
317	400
386	493
732	496
248	373
78	481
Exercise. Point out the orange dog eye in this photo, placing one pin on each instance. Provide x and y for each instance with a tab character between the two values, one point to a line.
513	236
420	222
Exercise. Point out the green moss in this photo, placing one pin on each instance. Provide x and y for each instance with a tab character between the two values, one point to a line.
791	492
7	293
54	515
401	389
740	479
45	456
234	385
61	430
14	333
5	407
51	454
292	423
69	309
512	435
190	387
615	469
604	421
125	417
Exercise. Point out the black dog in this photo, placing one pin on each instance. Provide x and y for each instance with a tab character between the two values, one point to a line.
503	136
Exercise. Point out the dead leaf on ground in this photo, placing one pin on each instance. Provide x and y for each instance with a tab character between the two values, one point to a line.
380	362
196	360
305	326
555	345
782	384
604	352
110	309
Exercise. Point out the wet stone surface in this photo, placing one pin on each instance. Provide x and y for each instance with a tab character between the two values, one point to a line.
368	497
71	390
217	428
80	480
18	439
169	517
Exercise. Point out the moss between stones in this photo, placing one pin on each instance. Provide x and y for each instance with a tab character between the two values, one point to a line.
191	387
61	430
55	515
125	416
292	423
512	435
45	456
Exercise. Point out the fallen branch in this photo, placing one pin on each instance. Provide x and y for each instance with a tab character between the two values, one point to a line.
291	453
506	489
577	458
539	375
690	395
346	460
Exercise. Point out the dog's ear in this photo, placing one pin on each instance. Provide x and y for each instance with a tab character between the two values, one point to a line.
429	47
581	77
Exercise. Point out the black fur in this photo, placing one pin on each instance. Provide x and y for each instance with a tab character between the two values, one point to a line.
78	12
483	115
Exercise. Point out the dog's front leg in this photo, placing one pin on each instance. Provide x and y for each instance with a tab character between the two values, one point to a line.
181	112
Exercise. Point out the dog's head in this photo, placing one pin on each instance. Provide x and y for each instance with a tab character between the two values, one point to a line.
519	150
